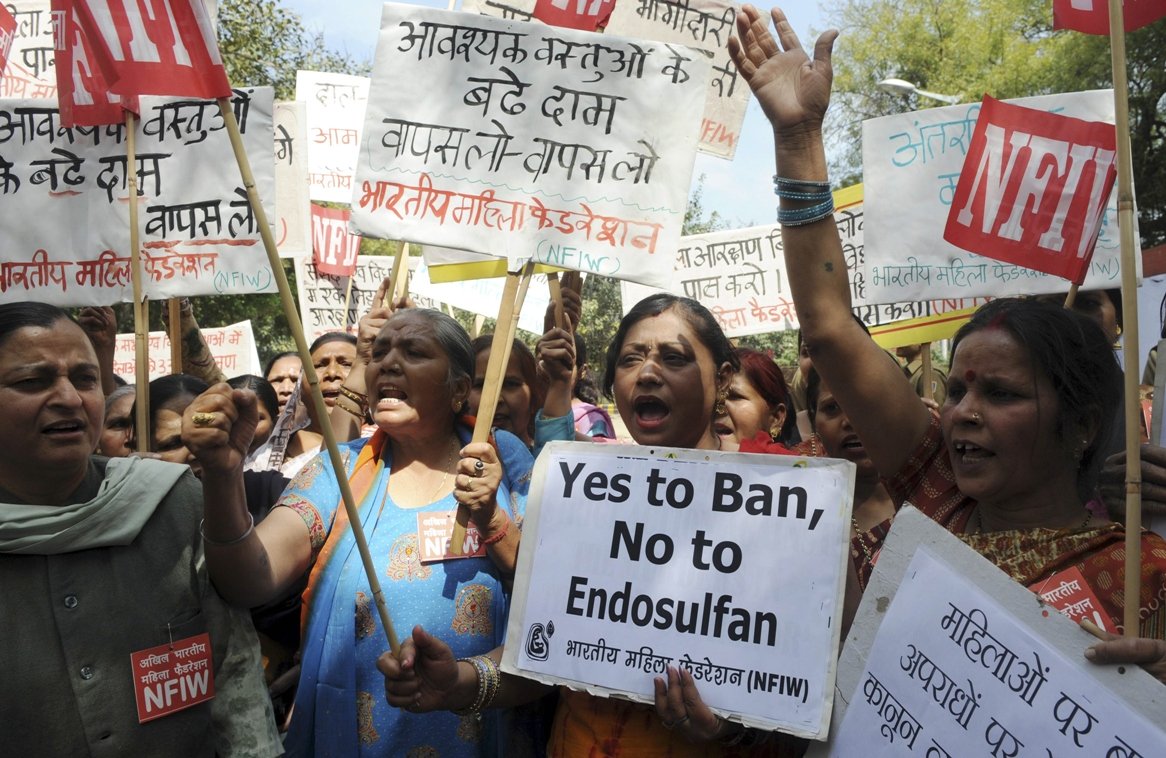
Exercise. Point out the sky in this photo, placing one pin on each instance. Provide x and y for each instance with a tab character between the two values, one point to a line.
738	190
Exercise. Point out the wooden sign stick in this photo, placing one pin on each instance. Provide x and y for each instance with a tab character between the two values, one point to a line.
174	317
1129	300
513	293
556	298
309	370
141	305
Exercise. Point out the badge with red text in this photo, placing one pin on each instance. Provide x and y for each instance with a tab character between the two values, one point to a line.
172	677
434	530
1033	189
1069	593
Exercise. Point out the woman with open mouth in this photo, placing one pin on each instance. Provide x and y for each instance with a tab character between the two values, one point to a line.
1031	391
757	407
668	367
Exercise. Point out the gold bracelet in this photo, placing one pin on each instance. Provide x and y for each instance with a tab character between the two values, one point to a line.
360	400
357	412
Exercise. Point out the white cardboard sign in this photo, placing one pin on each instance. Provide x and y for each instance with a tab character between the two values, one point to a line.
232	346
335	118
529	141
635	559
292	206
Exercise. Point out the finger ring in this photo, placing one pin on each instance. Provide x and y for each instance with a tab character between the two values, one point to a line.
203	419
680	720
478	467
667	724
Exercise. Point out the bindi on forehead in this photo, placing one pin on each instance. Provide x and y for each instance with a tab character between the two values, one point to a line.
969	376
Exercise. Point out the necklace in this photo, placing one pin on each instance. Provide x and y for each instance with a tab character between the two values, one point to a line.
444	478
980	520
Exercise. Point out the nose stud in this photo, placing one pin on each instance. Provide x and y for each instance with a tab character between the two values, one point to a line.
977	417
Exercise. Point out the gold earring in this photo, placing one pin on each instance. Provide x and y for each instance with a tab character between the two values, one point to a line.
719	406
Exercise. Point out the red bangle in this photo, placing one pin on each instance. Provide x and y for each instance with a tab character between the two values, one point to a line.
498	536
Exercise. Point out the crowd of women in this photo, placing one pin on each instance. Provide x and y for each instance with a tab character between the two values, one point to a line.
104	554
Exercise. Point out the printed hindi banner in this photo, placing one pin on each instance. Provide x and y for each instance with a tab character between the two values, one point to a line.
292	207
911	164
233	348
705	25
84	96
740	276
568	147
31	70
1092	16
64	213
636	559
588	15
334	249
336	108
964	661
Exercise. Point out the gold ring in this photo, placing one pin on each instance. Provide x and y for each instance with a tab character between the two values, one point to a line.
203	419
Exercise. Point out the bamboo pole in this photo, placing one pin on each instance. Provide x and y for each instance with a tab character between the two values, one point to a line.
141	305
309	370
928	393
347	302
1129	301
174	318
513	294
401	273
556	298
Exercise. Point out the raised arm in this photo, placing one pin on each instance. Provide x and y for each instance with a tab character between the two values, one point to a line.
250	565
794	92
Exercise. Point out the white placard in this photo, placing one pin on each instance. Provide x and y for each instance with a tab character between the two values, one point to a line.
233	348
705	25
740	276
293	208
911	164
321	296
511	10
964	661
529	141
31	72
634	559
64	218
336	110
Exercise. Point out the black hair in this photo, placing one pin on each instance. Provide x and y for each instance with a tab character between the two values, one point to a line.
16	316
1072	351
327	337
526	366
262	389
584	388
698	317
277	357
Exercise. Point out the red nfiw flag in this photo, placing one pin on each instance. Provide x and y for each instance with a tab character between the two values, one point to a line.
334	250
154	47
587	15
1092	16
7	35
1033	189
83	95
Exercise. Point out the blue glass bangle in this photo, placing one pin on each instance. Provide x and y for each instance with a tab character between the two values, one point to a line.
807	215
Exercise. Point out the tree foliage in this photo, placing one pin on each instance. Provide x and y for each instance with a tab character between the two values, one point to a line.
1005	48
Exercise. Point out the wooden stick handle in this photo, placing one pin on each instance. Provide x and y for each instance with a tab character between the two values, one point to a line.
556	298
174	316
309	370
141	306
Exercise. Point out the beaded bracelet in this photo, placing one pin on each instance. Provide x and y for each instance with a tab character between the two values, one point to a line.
808	215
358	412
229	543
489	678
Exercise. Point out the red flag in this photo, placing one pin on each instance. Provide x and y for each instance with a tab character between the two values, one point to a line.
7	35
1092	16
1033	189
587	15
83	94
334	250
154	47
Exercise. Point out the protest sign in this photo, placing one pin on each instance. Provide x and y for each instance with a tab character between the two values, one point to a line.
1092	16
588	15
481	296
707	26
7	36
293	220
233	348
84	96
334	250
964	661
31	70
911	164
565	147
336	106
64	223
1033	189
739	275
636	559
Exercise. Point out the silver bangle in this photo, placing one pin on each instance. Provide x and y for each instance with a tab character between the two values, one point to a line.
229	543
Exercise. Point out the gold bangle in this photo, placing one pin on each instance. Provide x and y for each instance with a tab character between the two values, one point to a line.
357	412
360	400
